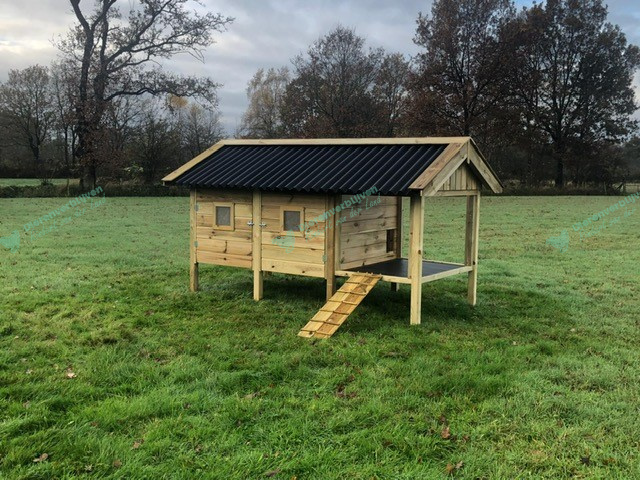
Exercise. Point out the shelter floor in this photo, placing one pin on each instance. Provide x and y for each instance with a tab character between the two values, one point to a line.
399	267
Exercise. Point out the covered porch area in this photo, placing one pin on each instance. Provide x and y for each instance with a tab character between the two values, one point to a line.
413	269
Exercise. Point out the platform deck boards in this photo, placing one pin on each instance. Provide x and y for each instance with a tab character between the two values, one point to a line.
339	306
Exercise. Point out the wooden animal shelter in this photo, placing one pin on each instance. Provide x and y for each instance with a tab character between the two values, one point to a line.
331	208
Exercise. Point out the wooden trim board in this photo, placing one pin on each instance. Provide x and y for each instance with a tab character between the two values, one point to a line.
193	254
256	238
445	274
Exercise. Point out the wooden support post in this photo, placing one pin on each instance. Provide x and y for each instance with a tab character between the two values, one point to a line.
256	249
337	234
397	241
471	245
330	247
193	238
416	245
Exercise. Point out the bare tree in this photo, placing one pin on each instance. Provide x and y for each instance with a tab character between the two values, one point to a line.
195	126
154	143
459	80
572	75
116	56
202	128
390	92
28	108
331	94
62	86
265	92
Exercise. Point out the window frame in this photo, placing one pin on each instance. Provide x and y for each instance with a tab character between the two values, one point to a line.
231	225
299	233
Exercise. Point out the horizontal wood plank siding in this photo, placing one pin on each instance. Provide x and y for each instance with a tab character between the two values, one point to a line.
231	248
363	237
306	256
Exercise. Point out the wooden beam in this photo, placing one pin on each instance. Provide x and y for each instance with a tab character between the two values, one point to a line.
447	170
348	141
445	274
330	247
398	238
416	245
385	278
455	193
256	250
193	256
474	150
482	169
436	166
471	245
193	162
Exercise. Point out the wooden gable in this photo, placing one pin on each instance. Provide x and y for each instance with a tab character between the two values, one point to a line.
462	179
459	168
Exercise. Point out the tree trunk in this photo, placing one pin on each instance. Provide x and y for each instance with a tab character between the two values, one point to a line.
88	177
559	172
558	154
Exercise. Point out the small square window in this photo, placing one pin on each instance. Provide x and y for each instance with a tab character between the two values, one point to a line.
223	216
292	220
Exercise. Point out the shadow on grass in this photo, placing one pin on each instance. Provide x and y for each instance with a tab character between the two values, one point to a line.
444	304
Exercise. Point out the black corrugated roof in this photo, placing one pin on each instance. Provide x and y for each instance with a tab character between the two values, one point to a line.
390	168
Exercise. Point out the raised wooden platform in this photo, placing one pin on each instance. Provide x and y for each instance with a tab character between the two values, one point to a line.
397	270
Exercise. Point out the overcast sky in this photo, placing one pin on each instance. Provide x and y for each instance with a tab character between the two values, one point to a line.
265	33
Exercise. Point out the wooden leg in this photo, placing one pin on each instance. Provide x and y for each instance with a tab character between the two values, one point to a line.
331	286
258	285
416	240
395	287
471	245
194	282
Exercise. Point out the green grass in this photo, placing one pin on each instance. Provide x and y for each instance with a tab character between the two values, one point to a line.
20	182
540	380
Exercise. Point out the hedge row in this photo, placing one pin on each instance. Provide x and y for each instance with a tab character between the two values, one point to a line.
117	190
110	190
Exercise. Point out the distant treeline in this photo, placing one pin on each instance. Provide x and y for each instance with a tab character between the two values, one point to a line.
546	91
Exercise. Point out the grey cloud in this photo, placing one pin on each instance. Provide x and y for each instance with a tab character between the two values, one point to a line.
266	33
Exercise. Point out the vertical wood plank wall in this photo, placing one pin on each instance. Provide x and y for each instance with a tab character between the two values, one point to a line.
224	247
363	238
462	179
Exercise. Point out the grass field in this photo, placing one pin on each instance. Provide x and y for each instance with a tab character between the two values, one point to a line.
20	182
112	368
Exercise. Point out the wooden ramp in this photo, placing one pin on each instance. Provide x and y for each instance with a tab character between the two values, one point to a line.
340	306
